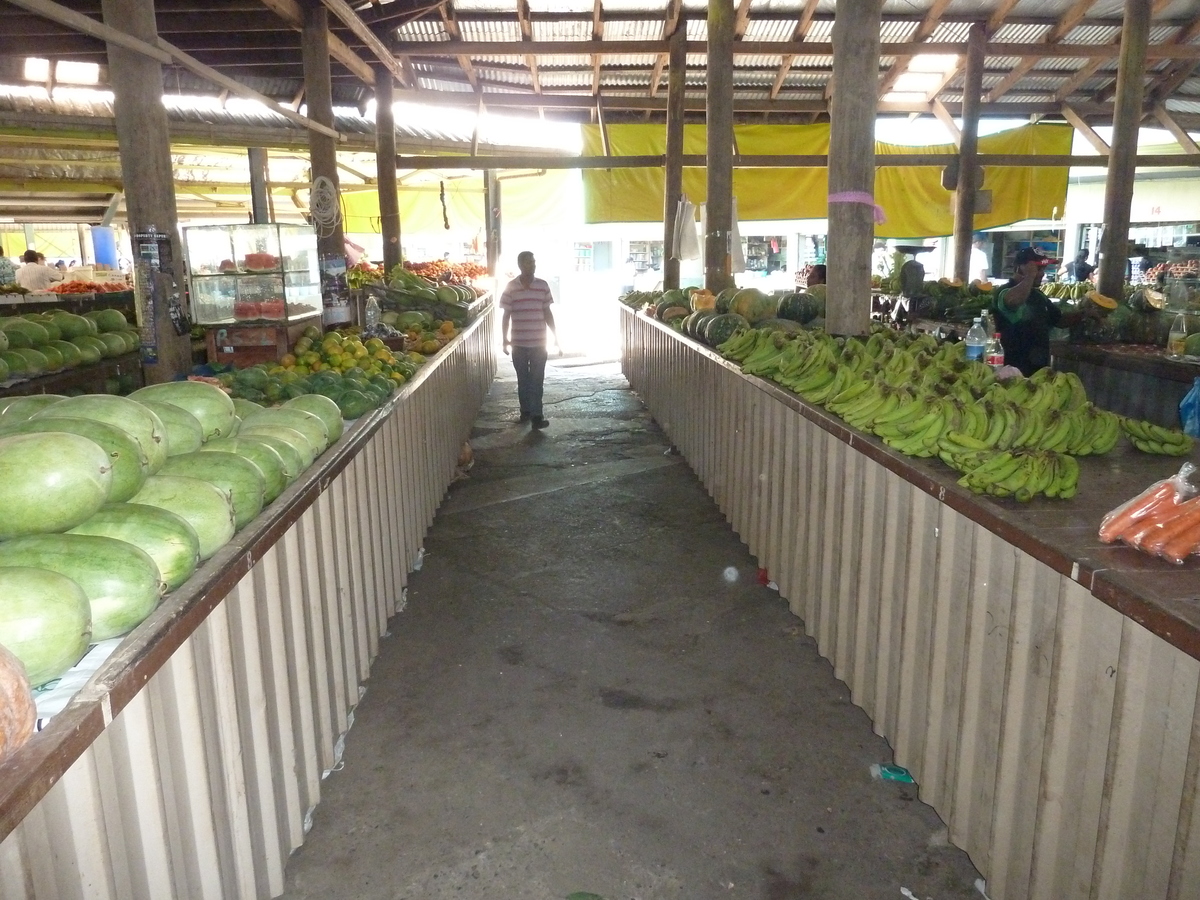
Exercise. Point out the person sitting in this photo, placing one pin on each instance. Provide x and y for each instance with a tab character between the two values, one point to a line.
35	275
8	272
816	275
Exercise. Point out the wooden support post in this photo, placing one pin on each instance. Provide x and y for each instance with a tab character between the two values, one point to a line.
491	220
968	150
318	92
145	149
1127	116
260	213
719	116
385	164
852	166
673	188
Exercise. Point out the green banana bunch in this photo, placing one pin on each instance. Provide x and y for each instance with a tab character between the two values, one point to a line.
1151	438
740	344
1022	475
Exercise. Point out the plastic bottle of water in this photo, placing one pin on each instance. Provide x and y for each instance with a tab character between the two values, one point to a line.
976	340
995	352
372	312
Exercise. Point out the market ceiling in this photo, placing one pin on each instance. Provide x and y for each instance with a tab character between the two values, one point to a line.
583	59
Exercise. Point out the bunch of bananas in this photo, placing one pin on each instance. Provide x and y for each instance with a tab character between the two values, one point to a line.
1019	474
1151	438
1061	290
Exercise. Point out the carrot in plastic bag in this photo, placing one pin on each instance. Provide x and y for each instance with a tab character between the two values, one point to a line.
1186	517
1182	545
1170	491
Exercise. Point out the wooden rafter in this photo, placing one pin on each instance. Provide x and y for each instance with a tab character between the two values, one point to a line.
1176	74
798	34
994	22
1089	133
674	9
1181	136
527	36
450	22
923	31
362	31
597	35
943	115
292	13
741	19
1061	29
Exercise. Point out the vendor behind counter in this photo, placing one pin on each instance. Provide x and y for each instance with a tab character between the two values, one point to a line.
1025	315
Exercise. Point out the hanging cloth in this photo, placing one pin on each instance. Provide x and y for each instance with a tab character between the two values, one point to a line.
685	243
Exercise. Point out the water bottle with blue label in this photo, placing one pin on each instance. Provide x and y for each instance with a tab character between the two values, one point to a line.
976	341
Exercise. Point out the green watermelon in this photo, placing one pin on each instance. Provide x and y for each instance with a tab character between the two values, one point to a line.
50	482
45	620
129	464
721	328
166	537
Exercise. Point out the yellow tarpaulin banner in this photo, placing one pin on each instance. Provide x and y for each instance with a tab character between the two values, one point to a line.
532	200
913	199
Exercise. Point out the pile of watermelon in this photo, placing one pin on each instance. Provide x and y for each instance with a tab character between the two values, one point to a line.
37	343
711	321
112	502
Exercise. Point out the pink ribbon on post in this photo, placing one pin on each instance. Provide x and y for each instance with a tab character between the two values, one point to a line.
863	198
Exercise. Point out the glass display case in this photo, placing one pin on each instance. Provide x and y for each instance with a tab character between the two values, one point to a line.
253	273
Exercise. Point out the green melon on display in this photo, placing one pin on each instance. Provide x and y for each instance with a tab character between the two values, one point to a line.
184	434
21	408
50	482
45	621
4	373
324	409
30	334
71	325
35	361
721	328
243	407
91	347
211	406
164	536
108	320
129	466
54	359
14	361
114	343
234	474
270	463
121	581
300	445
3	339
754	306
145	427
71	355
202	505
52	331
312	427
293	460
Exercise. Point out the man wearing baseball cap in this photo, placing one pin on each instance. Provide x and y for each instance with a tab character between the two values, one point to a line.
1025	315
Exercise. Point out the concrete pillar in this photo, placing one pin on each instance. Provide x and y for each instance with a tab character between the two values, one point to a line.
852	166
145	149
673	187
1122	161
385	165
718	113
968	168
260	208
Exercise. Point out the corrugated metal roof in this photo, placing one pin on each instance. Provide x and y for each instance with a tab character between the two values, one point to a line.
769	29
1020	34
489	29
423	30
568	30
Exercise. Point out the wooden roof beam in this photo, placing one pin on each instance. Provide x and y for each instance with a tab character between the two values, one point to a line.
348	17
1089	133
450	23
292	13
927	27
1175	75
1061	29
997	18
798	34
527	36
597	35
674	9
1182	137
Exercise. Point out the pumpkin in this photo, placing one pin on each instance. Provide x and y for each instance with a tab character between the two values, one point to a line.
755	306
719	329
17	711
702	299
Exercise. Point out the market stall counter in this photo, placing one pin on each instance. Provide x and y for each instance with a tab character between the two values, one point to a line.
1131	379
189	763
1042	687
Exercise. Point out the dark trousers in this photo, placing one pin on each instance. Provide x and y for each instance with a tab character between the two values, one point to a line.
530	363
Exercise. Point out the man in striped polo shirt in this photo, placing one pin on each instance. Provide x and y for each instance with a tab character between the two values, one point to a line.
526	304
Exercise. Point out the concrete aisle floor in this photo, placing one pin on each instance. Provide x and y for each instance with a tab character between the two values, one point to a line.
590	692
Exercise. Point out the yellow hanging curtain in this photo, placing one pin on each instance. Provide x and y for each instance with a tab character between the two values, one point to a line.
532	200
912	197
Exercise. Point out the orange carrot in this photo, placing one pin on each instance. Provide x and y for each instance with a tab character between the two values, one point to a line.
1149	527
1116	523
1182	545
1181	522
